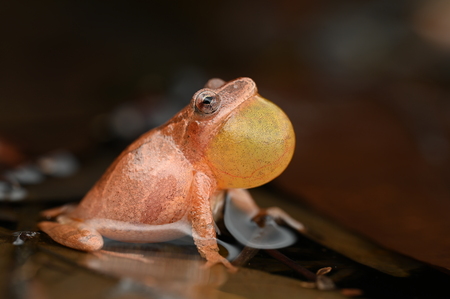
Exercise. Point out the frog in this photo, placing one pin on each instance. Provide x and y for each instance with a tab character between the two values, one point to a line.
172	180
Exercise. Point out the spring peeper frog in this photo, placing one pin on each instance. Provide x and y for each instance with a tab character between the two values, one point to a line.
171	181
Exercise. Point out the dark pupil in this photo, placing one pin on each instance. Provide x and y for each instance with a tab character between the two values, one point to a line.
207	100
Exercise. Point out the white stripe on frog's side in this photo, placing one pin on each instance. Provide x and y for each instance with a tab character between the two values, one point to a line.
140	233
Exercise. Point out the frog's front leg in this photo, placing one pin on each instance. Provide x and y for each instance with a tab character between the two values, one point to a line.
244	201
202	221
73	234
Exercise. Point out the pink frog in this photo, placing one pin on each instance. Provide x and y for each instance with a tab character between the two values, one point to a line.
171	181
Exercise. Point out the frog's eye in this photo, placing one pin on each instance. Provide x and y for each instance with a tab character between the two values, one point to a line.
207	102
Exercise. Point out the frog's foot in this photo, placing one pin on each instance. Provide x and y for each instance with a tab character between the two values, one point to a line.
280	216
210	251
52	213
214	258
215	83
242	199
74	234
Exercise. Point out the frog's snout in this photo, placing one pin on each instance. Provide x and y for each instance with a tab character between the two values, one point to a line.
253	146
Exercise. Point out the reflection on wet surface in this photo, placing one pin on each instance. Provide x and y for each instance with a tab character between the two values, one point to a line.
163	273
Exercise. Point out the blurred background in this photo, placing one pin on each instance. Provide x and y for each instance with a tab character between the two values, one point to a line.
365	83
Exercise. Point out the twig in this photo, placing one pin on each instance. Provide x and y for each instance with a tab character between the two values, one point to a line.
292	264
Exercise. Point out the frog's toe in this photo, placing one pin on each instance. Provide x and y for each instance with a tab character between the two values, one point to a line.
80	237
221	260
53	213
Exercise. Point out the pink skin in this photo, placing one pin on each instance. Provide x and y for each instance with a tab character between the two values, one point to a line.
160	187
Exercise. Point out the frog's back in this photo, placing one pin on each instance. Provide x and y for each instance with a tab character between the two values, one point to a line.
149	183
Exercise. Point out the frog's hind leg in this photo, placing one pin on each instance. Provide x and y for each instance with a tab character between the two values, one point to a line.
73	234
244	201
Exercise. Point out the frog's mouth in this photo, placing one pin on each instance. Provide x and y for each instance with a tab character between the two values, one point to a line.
253	146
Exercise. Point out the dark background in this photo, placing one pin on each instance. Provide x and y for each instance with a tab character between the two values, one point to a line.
65	62
366	84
